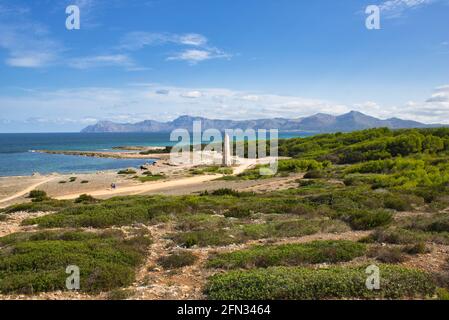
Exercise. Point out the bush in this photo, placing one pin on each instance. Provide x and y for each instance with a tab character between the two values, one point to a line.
419	248
238	213
120	294
289	255
46	205
397	203
367	220
177	260
127	171
36	261
85	198
37	194
225	192
443	294
203	238
147	178
387	255
298	283
314	174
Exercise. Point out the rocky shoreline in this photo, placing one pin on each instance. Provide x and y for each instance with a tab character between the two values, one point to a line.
106	154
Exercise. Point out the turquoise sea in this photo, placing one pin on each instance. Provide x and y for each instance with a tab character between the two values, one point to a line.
17	156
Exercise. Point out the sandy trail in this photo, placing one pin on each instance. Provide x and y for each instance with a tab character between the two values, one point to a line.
27	190
139	189
134	190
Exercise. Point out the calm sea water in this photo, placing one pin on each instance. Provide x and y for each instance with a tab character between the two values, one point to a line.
17	158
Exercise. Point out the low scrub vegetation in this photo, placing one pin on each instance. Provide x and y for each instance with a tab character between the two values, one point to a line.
289	255
177	260
127	171
36	261
299	283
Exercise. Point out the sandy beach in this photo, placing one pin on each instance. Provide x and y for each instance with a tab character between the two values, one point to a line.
176	179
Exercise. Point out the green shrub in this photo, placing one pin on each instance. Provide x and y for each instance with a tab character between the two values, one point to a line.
443	294
85	198
177	260
45	205
289	255
397	203
298	283
127	171
314	174
203	238
419	248
238	213
120	294
36	262
147	178
387	254
291	228
367	220
37	194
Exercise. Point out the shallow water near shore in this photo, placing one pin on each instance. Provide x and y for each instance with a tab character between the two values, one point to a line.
18	159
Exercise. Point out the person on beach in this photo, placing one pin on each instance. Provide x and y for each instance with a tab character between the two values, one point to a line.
113	186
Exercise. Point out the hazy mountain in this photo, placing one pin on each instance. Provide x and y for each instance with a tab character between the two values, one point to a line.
317	123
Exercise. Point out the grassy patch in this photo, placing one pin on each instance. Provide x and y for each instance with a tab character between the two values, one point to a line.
177	260
292	228
127	171
148	178
46	205
211	170
36	262
289	255
298	283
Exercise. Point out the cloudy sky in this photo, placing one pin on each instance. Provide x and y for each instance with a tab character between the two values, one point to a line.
157	59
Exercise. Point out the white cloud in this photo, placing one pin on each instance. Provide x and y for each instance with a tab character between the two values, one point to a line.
395	8
139	39
251	97
120	60
197	51
192	94
193	39
28	45
193	56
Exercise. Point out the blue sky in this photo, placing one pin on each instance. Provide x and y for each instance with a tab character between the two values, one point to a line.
136	60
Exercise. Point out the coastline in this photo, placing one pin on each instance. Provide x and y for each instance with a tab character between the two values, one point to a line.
109	154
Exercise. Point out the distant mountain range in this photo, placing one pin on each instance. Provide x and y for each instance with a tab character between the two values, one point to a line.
318	123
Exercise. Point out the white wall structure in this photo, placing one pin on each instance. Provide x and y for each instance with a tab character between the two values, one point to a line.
227	159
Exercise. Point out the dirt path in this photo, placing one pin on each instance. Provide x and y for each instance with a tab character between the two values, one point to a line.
160	185
155	283
147	187
27	190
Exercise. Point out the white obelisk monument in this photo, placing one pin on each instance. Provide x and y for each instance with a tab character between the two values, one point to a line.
227	160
